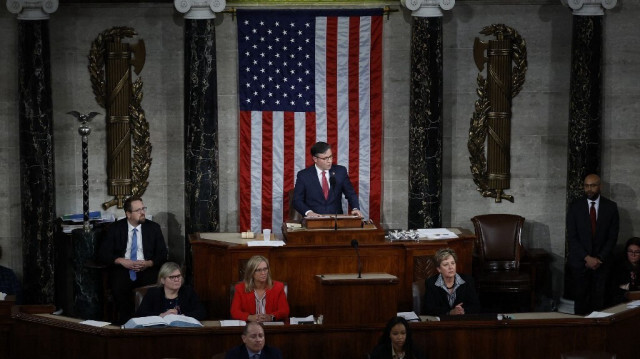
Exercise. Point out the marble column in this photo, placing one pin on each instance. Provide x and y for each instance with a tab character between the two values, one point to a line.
585	106
37	177
202	185
425	114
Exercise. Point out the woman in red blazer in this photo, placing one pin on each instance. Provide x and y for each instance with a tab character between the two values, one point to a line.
258	297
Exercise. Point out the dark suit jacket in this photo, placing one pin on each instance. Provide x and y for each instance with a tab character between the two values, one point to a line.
579	232
436	301
240	352
114	244
153	303
307	194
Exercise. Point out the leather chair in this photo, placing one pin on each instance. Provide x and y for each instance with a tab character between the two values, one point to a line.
417	293
498	250
294	216
139	294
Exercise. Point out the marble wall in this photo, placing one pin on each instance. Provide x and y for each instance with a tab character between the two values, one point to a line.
539	132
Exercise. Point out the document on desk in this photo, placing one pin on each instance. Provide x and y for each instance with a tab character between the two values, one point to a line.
302	320
265	243
232	323
409	316
598	315
171	320
633	304
436	233
95	323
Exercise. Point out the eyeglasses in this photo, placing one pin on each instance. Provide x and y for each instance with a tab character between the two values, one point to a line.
328	158
262	270
141	209
175	277
635	253
591	185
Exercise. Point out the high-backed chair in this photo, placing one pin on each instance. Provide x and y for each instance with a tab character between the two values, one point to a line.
294	216
498	249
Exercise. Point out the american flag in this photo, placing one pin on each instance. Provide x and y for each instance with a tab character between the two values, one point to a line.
307	76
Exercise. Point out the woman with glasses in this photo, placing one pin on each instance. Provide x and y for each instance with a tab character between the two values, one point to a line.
258	298
626	273
170	296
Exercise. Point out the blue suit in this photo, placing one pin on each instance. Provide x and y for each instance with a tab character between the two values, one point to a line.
307	194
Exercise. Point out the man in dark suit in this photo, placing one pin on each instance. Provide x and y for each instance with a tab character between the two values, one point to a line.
319	188
254	346
134	249
592	232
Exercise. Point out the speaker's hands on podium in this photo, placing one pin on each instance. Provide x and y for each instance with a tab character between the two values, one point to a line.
356	212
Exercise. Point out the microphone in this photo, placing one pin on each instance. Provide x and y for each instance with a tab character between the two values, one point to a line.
332	183
354	244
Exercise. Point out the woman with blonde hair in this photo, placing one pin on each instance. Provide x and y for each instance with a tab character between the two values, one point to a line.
170	296
259	298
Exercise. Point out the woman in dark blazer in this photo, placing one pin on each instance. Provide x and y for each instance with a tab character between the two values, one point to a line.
450	293
171	296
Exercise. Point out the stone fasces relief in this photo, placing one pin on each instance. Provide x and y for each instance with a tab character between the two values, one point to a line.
506	59
111	62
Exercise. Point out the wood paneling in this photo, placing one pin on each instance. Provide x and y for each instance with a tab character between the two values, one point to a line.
543	336
217	265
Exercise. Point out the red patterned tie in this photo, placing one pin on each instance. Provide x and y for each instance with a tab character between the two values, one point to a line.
592	214
325	186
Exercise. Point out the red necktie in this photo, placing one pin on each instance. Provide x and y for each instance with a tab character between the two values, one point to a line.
592	214
325	186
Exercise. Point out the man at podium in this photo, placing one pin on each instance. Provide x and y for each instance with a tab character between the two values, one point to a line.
319	188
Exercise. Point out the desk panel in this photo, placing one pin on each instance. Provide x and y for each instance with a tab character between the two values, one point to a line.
217	264
47	336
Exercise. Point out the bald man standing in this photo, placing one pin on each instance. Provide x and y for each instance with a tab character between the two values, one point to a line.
592	233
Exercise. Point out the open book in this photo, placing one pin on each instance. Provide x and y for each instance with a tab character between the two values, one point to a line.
171	320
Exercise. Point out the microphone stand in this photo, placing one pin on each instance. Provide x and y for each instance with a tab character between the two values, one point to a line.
354	244
332	183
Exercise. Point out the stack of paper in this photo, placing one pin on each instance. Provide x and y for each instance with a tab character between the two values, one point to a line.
633	304
304	320
232	323
409	316
436	233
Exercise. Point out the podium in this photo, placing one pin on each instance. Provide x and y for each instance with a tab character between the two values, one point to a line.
367	233
347	299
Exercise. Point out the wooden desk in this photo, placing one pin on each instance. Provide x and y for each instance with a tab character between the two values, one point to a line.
219	260
347	299
535	336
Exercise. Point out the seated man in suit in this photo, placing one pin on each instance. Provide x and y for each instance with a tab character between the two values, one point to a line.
319	188
134	249
254	346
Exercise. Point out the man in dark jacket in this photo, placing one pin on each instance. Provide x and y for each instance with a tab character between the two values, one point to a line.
592	233
253	346
134	249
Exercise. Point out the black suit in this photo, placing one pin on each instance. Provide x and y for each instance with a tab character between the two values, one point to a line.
590	285
307	194
114	246
240	352
436	299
